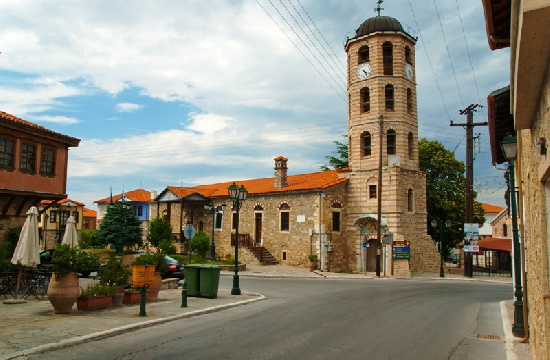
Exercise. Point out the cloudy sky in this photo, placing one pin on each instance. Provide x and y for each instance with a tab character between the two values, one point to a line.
196	92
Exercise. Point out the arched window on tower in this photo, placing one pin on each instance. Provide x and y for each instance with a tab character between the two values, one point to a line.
391	142
389	97
410	200
408	55
366	143
363	55
411	145
409	101
365	99
387	53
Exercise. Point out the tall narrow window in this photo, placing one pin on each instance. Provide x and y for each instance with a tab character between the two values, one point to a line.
365	99
387	53
336	211
6	154
389	96
372	191
410	202
411	145
363	54
284	217
28	158
408	55
409	101
47	162
76	216
366	143
218	220
391	142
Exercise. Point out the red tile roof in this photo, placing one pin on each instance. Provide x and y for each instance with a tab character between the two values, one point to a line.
138	195
61	202
87	213
488	208
303	182
13	121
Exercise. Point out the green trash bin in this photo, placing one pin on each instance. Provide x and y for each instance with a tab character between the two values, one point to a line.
209	281
192	279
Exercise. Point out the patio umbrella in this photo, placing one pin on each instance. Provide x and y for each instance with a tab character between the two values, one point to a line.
70	237
27	250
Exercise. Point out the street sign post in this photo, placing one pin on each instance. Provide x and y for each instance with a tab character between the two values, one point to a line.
189	231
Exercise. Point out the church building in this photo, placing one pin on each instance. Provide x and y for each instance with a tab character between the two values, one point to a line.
369	217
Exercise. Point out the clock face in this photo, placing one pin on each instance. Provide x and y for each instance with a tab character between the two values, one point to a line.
363	71
409	71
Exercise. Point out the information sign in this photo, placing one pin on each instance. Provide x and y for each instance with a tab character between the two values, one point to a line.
401	255
401	249
189	231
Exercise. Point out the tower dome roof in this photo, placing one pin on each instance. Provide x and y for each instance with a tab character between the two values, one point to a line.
378	23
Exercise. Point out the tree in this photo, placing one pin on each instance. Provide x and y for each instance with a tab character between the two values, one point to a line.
445	184
340	160
159	230
120	226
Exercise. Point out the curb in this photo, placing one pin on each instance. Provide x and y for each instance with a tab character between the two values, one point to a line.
107	333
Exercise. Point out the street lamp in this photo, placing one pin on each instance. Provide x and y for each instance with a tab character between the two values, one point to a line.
510	150
213	210
441	246
238	195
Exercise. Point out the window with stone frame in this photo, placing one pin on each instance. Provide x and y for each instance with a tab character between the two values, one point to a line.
284	216
387	54
408	58
411	145
365	99
504	230
391	137
27	162
410	200
372	192
7	153
47	161
218	220
366	144
363	54
201	226
389	96
76	216
336	214
53	216
409	101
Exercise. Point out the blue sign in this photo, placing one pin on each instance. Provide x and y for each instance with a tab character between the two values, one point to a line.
401	249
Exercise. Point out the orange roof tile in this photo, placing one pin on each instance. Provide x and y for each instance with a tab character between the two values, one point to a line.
138	195
488	208
311	181
89	213
61	202
14	121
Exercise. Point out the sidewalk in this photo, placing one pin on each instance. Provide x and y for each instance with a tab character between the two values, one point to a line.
33	327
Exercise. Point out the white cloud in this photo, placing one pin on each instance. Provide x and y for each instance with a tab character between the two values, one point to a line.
54	119
127	107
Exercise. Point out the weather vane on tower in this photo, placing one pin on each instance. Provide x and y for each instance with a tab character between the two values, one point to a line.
378	8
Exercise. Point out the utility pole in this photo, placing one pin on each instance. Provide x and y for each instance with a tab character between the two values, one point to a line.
379	227
469	217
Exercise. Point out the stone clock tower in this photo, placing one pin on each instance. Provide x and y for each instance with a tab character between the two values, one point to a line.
382	120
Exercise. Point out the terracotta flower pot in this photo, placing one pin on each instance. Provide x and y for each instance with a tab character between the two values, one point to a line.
153	292
93	302
63	292
131	297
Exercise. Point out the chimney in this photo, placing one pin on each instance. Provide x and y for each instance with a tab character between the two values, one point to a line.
280	172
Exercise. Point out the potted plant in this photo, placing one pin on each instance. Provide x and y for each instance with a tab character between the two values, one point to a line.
117	274
312	262
63	289
158	260
95	296
131	295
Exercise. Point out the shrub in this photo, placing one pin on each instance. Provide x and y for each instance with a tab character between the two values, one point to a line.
94	289
200	243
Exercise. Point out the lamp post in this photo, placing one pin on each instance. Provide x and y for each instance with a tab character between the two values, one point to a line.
442	249
238	195
213	210
510	150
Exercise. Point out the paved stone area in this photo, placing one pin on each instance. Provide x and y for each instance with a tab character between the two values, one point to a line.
33	327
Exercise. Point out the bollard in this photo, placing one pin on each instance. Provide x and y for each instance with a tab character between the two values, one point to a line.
143	292
184	297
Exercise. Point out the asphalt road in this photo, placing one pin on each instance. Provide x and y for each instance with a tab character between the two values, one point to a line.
326	319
